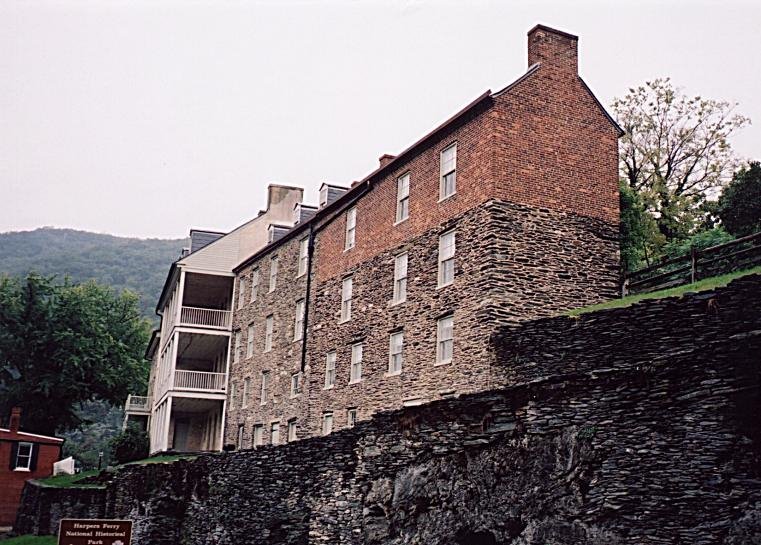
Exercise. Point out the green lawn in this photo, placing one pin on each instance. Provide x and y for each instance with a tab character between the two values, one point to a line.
30	540
700	285
69	481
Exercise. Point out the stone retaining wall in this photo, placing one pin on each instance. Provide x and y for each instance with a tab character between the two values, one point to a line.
636	426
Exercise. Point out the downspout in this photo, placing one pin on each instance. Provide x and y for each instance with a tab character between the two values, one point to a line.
310	255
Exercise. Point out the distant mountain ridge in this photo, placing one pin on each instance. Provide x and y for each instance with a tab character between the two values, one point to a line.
137	264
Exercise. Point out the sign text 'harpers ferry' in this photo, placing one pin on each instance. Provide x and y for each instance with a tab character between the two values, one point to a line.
95	532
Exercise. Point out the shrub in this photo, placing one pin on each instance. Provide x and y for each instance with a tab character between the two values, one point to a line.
130	445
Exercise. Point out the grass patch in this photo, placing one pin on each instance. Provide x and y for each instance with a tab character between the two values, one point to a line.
700	285
30	540
162	459
70	481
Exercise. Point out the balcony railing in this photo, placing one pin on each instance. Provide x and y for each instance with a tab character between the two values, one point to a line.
199	380
137	404
207	317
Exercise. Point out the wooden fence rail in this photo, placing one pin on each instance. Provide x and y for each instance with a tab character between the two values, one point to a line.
735	255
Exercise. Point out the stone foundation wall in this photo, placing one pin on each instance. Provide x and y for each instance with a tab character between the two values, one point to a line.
631	448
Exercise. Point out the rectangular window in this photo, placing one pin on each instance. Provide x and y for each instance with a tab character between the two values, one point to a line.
395	350
351	417
446	258
356	363
241	292
295	384
232	396
444	339
24	456
268	326
448	185
303	256
246	389
351	228
347	289
298	327
240	436
236	353
323	196
327	422
275	433
265	387
330	369
291	430
273	273
400	278
254	284
258	439
403	198
250	341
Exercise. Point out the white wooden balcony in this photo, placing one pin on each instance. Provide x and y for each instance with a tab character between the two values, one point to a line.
206	317
200	381
137	405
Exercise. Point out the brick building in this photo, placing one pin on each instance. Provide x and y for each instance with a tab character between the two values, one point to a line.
389	293
23	456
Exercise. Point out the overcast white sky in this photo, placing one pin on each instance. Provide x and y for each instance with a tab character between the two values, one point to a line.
147	118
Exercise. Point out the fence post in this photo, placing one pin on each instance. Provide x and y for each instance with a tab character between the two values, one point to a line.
693	264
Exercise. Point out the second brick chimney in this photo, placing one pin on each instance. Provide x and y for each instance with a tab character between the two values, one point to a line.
15	423
553	47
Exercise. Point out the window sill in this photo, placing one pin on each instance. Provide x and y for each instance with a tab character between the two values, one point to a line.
399	222
444	362
24	469
298	340
393	303
329	387
442	286
394	374
442	199
349	249
344	321
355	381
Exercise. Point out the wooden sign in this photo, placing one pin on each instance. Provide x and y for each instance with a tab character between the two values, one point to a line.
94	532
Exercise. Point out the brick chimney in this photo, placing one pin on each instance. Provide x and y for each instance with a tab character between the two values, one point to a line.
15	419
553	47
385	159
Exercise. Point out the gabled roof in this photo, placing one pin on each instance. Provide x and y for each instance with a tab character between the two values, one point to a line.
5	433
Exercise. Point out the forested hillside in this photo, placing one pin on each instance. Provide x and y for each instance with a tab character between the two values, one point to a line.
140	265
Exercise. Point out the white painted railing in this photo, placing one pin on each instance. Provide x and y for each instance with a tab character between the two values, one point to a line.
208	317
199	380
137	404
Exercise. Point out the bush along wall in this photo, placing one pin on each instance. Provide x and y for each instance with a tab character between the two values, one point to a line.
635	425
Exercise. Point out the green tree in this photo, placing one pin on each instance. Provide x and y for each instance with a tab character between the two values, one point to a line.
700	241
65	344
675	152
130	445
640	239
740	204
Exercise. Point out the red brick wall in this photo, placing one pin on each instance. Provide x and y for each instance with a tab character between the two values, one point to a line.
12	482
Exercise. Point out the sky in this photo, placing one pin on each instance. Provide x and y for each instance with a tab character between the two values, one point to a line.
147	118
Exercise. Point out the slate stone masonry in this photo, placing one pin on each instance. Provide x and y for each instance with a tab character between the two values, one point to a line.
649	436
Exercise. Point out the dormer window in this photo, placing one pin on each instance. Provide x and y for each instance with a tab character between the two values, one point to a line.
323	196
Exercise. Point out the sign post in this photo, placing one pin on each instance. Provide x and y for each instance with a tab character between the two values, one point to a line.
94	532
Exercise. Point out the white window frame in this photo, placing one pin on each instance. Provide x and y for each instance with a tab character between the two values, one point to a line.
238	340
402	198
303	257
351	228
351	416
275	433
28	466
250	341
291	433
257	436
447	254
330	369
241	293
401	263
245	394
263	392
395	353
445	169
444	339
298	326
269	326
254	284
355	370
295	384
274	266
327	422
347	294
